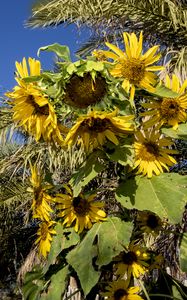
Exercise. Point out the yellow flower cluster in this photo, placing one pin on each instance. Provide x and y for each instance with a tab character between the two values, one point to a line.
41	210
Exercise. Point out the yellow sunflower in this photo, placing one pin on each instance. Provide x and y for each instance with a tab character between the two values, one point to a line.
168	111
132	66
44	239
31	108
132	262
40	206
80	211
149	222
95	128
152	154
118	290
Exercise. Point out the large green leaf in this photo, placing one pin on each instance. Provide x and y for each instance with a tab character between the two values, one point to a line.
164	92
166	195
61	51
180	133
64	238
57	285
102	242
183	253
111	236
90	168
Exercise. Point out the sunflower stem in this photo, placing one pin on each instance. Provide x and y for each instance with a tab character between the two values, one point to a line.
143	288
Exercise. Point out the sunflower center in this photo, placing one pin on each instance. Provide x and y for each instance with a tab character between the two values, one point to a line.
119	294
133	70
84	91
149	151
129	258
44	231
38	195
95	124
169	108
152	221
38	110
81	206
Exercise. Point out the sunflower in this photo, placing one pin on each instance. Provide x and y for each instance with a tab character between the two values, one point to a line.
82	91
45	237
149	222
80	211
168	111
132	262
31	108
97	127
118	290
152	154
40	206
132	66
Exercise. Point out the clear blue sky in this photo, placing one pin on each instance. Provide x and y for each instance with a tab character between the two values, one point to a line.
18	42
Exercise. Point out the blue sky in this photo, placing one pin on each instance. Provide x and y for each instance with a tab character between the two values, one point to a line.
18	42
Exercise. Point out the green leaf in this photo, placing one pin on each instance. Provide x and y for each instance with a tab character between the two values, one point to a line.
165	195
64	238
180	133
176	294
101	243
111	236
61	51
57	285
90	168
183	253
33	285
94	65
123	154
164	92
71	68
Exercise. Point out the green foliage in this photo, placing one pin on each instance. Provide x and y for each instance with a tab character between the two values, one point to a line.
58	284
164	195
33	284
122	153
89	169
183	253
64	239
180	133
61	51
100	245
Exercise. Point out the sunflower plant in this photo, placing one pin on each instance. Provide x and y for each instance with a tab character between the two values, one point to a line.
103	225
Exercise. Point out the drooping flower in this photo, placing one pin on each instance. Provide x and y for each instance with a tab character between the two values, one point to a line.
136	69
81	211
95	128
44	239
31	107
41	199
152	154
149	222
132	262
82	91
119	290
168	111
